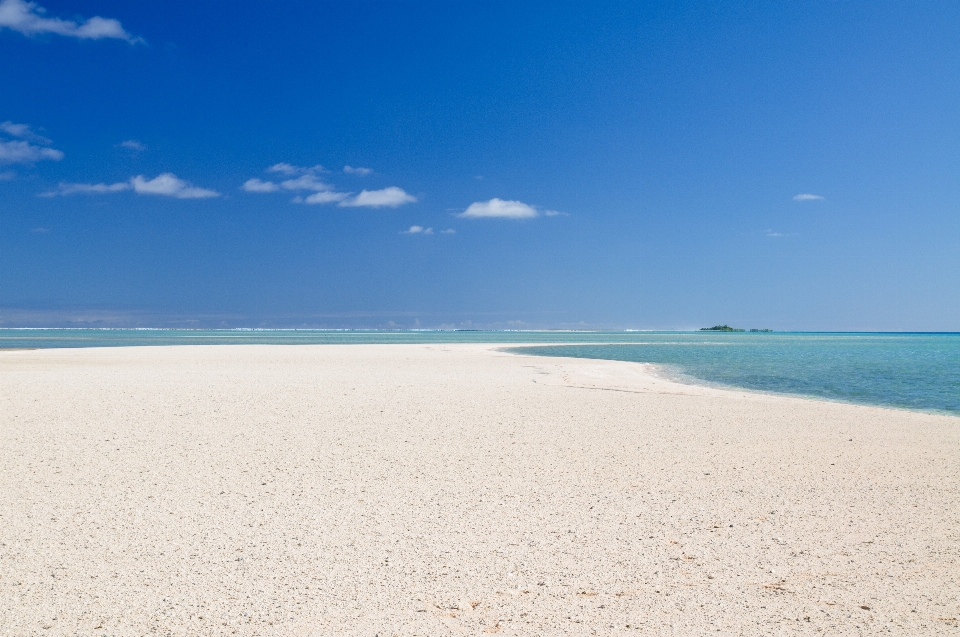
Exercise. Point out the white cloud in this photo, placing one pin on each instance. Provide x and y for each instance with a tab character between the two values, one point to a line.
289	169
7	175
255	185
499	208
17	130
23	132
28	18
21	152
387	197
283	169
87	189
326	196
807	197
134	145
418	230
169	185
306	182
302	178
448	231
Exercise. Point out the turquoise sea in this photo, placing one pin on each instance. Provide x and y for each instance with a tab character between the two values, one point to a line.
914	371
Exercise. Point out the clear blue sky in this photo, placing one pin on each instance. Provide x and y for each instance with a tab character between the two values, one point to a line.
629	165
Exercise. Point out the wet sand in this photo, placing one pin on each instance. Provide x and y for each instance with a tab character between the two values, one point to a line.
457	490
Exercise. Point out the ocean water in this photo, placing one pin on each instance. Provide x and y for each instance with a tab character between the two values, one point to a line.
46	338
913	371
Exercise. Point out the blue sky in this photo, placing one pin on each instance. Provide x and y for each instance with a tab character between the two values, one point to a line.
358	164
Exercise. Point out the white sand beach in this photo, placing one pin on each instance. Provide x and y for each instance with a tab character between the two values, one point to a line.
457	490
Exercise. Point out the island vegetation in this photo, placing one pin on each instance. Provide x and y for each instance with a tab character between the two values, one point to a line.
722	328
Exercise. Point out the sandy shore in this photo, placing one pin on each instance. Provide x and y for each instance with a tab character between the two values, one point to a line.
455	490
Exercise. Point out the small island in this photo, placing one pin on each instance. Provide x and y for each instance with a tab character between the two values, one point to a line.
721	328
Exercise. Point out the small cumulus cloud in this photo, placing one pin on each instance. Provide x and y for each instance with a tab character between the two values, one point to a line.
27	148
326	196
166	184
289	169
807	197
256	185
29	18
308	181
418	230
22	152
169	185
23	131
390	197
499	209
87	189
283	169
448	231
134	145
300	178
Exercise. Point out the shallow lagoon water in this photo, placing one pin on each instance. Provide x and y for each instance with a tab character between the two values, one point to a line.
913	371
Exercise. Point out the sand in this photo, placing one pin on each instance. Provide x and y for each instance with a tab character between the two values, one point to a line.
457	490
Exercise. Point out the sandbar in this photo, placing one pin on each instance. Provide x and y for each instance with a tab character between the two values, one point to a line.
457	490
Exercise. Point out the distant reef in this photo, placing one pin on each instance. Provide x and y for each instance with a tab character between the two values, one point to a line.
721	328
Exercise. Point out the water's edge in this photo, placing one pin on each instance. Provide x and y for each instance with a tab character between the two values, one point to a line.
915	379
672	374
